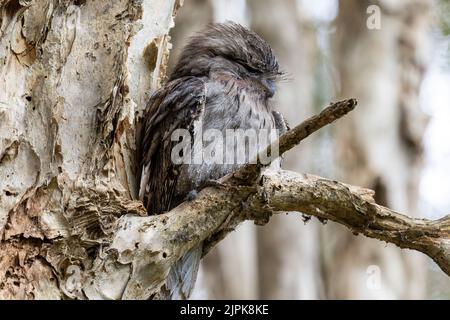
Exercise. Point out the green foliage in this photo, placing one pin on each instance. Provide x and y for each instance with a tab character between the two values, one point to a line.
444	15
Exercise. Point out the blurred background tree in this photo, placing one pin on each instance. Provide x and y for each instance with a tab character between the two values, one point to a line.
329	51
380	147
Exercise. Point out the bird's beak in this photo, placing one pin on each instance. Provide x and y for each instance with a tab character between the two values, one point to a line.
270	87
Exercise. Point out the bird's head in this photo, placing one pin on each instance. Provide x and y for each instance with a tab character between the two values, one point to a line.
231	49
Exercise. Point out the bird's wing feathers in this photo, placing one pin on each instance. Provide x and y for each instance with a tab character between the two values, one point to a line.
175	106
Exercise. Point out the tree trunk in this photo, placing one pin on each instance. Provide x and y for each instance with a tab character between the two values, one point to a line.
75	75
380	146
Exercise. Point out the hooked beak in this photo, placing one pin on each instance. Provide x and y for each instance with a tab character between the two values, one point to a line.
270	87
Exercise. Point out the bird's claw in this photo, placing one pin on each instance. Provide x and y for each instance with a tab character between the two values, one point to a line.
192	195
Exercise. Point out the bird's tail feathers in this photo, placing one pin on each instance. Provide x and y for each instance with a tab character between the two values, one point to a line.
182	276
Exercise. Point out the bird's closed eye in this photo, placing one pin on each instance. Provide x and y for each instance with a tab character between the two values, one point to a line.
253	70
249	68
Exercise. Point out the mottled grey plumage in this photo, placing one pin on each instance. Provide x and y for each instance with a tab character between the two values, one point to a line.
225	77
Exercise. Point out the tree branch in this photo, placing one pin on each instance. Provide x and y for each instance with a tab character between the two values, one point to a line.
250	172
146	247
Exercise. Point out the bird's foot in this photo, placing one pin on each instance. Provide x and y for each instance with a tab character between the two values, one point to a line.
192	195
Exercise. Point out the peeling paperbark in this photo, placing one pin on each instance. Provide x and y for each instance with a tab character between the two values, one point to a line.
74	76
